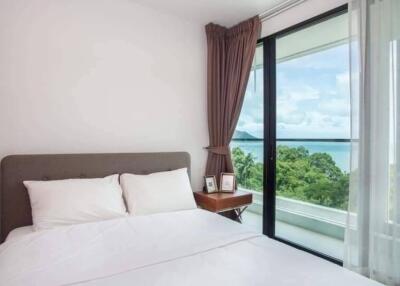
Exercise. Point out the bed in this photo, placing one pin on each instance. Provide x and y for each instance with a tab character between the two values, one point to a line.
190	247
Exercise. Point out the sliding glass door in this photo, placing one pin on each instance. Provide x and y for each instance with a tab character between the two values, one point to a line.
291	148
307	131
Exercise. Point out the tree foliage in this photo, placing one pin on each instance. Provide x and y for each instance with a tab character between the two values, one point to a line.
312	178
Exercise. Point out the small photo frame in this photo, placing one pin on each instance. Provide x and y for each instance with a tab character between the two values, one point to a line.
211	184
227	183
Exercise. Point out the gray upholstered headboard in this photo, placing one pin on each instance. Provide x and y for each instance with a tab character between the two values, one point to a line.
15	210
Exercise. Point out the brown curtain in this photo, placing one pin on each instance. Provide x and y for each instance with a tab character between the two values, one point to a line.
230	55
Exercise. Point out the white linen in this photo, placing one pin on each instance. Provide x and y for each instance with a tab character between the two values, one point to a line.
372	240
192	247
64	202
158	192
19	232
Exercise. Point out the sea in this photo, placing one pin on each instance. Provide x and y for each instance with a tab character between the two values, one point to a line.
340	151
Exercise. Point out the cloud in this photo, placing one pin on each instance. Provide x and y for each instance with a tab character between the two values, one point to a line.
288	112
343	79
298	92
315	125
311	102
335	107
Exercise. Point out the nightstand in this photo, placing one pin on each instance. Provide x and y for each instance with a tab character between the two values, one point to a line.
236	202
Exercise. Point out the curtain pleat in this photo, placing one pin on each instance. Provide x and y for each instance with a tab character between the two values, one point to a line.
230	55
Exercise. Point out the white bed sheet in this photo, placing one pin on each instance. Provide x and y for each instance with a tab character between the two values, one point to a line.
19	232
191	247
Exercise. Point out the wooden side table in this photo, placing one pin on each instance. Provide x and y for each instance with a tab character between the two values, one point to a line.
223	202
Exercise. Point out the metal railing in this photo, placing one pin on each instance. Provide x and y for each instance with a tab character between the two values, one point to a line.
320	219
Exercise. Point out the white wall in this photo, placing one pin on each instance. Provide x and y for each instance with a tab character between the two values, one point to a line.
298	14
101	76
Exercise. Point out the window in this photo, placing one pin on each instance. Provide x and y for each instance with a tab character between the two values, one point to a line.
302	76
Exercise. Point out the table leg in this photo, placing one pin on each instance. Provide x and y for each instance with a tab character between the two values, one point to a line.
238	213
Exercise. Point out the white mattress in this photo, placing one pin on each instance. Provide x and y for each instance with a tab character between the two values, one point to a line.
192	247
19	232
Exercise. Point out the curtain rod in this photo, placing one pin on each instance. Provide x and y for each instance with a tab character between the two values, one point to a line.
279	9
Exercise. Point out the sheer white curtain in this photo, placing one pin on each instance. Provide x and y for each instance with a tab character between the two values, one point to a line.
372	242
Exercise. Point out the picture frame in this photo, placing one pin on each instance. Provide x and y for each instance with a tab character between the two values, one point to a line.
211	184
227	183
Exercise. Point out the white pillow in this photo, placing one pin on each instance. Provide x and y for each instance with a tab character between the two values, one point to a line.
158	192
73	201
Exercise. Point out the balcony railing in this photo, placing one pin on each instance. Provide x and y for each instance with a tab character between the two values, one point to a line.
326	221
312	225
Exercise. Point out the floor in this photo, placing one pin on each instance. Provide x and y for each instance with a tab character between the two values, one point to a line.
321	243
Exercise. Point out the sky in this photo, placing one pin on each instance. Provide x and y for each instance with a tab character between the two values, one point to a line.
313	99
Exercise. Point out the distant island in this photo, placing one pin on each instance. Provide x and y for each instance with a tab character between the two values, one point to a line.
243	135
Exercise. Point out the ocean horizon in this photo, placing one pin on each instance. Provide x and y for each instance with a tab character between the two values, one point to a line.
340	151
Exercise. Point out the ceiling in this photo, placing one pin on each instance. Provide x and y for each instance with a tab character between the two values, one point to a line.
223	12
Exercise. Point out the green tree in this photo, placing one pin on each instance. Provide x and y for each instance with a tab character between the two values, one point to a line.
311	178
249	174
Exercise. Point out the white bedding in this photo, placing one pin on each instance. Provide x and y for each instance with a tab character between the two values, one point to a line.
192	247
20	231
